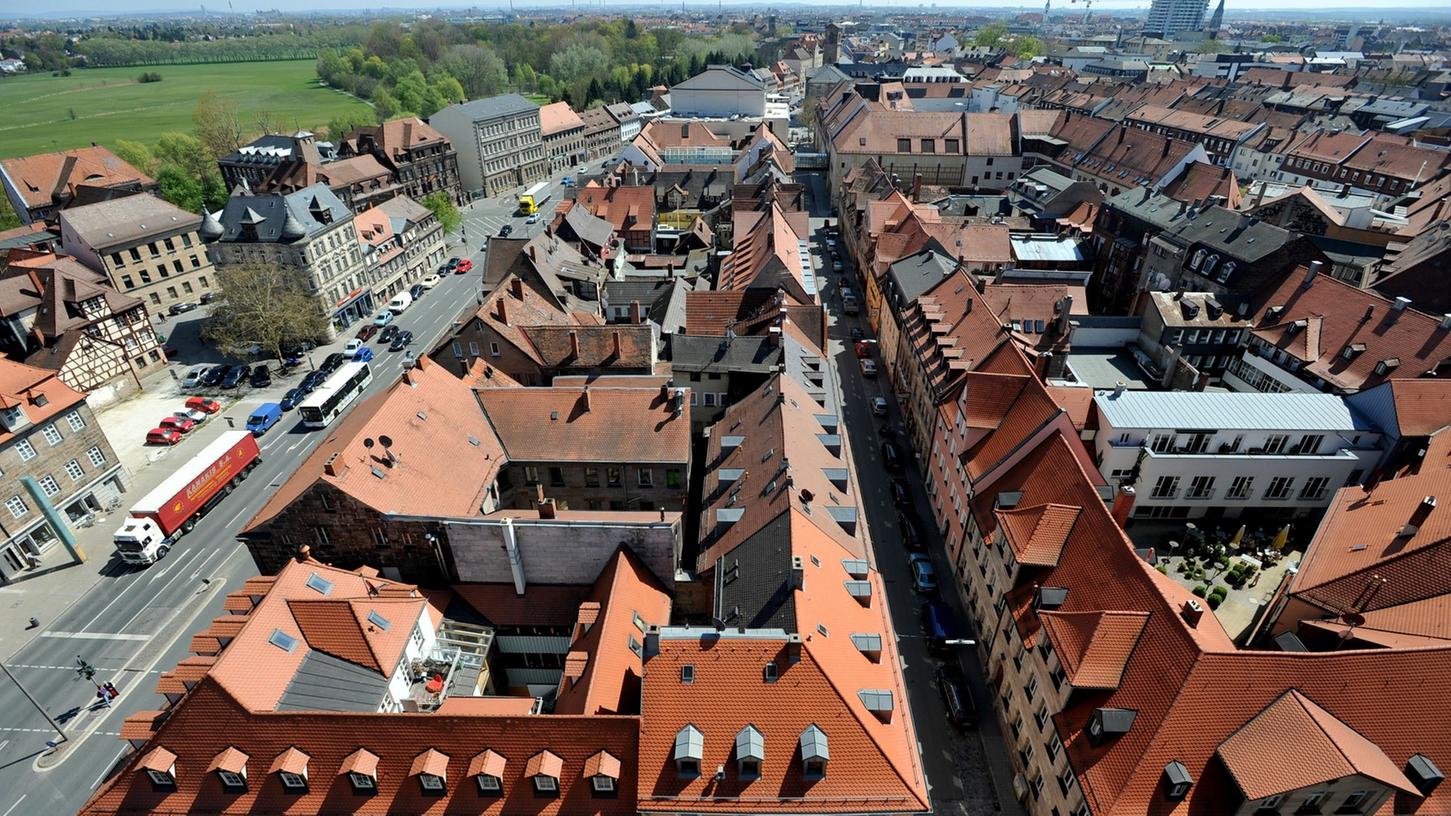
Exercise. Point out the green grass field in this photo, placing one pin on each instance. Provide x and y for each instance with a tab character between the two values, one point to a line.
44	113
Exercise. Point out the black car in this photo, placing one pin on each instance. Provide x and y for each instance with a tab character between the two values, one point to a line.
292	398
506	230
416	291
207	297
901	493
891	457
214	375
956	698
452	264
181	308
261	377
911	532
401	341
856	335
235	375
389	332
332	363
311	382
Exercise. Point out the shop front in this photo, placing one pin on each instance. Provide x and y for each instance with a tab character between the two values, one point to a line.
357	305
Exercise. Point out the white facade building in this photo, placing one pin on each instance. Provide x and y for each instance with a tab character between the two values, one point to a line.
1170	17
720	90
1197	454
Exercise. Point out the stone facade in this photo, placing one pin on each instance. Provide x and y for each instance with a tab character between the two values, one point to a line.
596	486
146	247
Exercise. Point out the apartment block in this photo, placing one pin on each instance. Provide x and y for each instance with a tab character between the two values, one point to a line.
146	247
498	140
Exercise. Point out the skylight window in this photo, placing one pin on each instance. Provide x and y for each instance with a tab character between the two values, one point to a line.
282	640
378	620
317	582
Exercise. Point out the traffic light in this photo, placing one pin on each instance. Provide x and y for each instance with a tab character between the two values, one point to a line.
84	669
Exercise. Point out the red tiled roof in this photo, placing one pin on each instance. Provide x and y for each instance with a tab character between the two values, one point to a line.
1037	534
229	760
37	177
290	761
1094	647
1422	406
1325	750
432	762
39	392
588	424
627	208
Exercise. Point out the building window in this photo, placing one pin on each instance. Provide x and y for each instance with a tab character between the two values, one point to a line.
493	349
17	506
1315	487
1280	487
48	485
51	434
1276	443
1311	804
1309	444
646	477
546	784
531	475
292	782
591	477
1240	488
362	782
488	784
1201	487
26	450
614	476
1167	487
1354	803
603	784
98	459
904	145
76	421
556	476
232	781
74	470
673	478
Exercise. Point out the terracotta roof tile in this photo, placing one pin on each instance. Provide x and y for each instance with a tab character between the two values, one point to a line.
602	764
230	759
290	761
487	762
1037	534
37	177
544	763
590	424
432	762
1422	406
1094	647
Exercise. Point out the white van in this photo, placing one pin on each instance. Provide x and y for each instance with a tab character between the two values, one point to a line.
400	301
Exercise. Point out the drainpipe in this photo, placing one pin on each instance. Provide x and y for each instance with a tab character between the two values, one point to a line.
62	530
516	561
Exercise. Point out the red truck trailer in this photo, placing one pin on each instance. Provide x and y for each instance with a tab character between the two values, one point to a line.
172	509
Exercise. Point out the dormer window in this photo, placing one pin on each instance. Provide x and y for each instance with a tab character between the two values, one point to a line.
160	767
1109	722
544	769
362	783
230	766
487	769
431	768
361	768
603	772
689	751
1177	781
814	753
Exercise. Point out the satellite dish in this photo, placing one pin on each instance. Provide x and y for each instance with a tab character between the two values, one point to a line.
368	443
1353	619
385	441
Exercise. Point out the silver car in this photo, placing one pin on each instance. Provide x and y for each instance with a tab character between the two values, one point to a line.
193	378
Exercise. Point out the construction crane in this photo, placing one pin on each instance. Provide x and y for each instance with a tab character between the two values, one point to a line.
1087	9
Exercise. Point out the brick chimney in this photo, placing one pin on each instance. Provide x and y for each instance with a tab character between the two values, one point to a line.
615	344
635	317
539	494
503	311
574	345
303	553
584	400
1123	504
917	188
1191	612
516	286
548	509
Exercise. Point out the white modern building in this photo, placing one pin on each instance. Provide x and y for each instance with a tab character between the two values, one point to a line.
719	90
1213	454
1170	17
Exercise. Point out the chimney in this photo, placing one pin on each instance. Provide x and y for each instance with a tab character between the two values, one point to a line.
503	312
793	649
574	345
584	400
615	344
1067	305
1445	322
1419	516
1123	504
331	468
517	284
1397	308
1119	388
635	317
917	188
798	573
1191	612
547	509
652	641
303	553
533	254
1311	272
539	494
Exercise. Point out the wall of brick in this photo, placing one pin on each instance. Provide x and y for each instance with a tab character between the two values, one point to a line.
559	552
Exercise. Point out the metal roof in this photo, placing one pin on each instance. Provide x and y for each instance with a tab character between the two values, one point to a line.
325	683
493	106
1228	411
1036	248
813	744
689	743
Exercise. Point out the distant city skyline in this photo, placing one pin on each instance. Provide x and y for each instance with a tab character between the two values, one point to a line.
129	7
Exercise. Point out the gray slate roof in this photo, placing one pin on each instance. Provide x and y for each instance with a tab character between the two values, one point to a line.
761	593
493	107
326	683
313	209
1237	234
915	274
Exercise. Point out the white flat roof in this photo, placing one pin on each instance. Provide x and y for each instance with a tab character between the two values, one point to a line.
1228	411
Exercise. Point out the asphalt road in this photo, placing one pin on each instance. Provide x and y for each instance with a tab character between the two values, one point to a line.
136	623
959	764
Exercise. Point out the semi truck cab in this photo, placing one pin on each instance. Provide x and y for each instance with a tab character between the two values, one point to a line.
140	541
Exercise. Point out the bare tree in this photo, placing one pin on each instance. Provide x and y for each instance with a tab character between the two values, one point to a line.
218	124
264	308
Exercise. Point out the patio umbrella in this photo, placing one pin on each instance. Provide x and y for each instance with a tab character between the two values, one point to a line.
1238	540
1280	538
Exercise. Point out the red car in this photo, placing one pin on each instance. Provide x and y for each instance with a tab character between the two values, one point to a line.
864	349
203	404
176	423
464	266
162	436
366	333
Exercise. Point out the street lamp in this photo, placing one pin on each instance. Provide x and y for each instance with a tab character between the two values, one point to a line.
38	707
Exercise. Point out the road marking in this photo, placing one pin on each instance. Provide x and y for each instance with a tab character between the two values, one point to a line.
4	743
93	636
16	805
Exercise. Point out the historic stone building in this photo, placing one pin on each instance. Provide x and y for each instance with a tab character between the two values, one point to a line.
499	143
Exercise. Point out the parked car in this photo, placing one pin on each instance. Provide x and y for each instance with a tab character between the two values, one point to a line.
181	308
261	377
194	377
938	625
310	383
400	301
203	404
532	219
856	334
891	457
416	291
924	575
235	375
353	346
207	297
176	423
162	436
465	265
192	414
430	281
214	376
384	318
366	332
831	243
292	398
401	341
265	416
869	368
451	265
388	333
363	355
879	406
332	362
505	230
901	491
567	181
911	531
863	349
837	267
961	711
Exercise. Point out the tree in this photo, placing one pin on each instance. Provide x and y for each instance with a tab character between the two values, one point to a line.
385	104
1207	46
480	71
443	208
989	35
180	188
1027	47
187	152
137	155
8	218
1272	38
263	305
631	30
218	124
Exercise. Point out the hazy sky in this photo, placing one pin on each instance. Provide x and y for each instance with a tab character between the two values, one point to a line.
1368	10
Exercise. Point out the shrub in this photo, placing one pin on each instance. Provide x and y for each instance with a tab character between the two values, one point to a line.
149	76
1214	601
1164	568
1218	592
1200	590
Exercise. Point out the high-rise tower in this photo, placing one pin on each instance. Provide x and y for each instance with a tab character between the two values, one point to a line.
1169	17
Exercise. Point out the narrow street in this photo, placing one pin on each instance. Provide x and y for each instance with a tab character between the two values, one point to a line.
968	770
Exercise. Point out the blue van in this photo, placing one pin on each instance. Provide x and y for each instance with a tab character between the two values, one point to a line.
938	625
266	415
